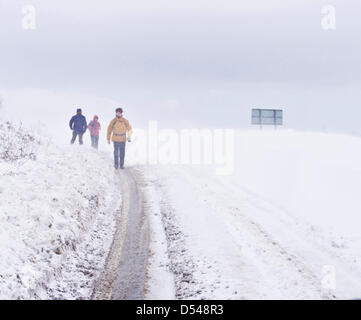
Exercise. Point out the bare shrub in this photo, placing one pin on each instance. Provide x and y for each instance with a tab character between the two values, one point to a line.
16	143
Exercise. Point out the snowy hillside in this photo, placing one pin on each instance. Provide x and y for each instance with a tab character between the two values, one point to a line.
285	225
56	216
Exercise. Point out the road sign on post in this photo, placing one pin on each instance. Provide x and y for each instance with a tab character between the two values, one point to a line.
267	117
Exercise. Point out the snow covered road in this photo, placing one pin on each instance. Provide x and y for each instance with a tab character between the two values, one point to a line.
225	242
245	236
125	271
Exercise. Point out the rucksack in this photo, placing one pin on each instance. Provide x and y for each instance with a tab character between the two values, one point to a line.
116	120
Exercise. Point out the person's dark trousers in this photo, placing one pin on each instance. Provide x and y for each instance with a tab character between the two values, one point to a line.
75	134
119	153
95	141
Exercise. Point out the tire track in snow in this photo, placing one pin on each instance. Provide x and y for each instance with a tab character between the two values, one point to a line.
261	245
193	277
125	272
273	268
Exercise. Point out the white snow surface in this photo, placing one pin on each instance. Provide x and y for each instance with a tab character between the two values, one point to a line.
284	225
56	222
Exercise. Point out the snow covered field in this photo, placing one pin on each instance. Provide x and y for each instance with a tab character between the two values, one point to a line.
56	219
285	225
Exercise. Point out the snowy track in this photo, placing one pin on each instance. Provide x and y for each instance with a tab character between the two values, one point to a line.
125	272
226	242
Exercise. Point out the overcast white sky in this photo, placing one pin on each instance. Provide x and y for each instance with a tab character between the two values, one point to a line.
191	63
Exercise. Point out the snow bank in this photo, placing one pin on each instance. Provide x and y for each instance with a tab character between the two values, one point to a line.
56	219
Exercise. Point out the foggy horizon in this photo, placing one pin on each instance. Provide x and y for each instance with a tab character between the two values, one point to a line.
195	63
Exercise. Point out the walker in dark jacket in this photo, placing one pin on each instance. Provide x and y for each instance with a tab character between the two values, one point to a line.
79	125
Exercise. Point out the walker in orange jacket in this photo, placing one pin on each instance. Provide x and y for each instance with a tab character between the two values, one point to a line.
118	129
